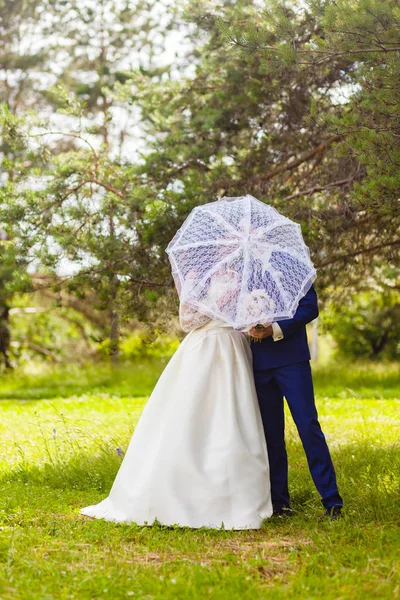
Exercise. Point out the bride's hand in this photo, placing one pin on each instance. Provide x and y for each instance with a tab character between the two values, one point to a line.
261	334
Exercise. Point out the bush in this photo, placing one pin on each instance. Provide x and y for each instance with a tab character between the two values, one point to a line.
368	328
140	345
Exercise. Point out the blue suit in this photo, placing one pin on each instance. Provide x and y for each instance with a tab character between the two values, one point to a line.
282	369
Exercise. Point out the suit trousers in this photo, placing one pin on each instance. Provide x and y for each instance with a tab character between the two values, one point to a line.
294	382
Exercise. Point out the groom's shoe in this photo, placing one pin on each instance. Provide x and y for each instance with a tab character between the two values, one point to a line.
334	513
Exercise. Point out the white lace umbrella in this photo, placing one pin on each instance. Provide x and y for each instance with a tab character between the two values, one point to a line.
240	260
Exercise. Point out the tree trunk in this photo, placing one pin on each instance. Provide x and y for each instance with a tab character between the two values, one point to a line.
5	336
378	345
114	333
113	315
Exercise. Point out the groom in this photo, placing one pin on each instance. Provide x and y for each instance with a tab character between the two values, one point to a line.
282	369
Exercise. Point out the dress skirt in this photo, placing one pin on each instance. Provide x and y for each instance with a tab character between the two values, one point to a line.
198	456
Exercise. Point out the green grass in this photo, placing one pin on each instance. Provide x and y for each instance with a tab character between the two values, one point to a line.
137	379
58	437
130	379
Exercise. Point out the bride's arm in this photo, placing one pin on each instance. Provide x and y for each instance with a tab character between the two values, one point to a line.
190	318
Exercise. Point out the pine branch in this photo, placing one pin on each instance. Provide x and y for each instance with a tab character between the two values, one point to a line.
332	53
344	257
192	163
67	134
322	146
108	187
252	41
320	188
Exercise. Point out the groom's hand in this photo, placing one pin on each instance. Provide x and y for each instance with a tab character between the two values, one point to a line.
260	334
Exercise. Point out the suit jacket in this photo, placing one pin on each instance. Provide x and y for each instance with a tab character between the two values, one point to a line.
293	348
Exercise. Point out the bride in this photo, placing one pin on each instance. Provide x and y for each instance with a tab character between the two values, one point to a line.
198	456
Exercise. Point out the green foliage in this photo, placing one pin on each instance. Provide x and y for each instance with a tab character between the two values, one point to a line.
140	346
12	277
304	116
60	455
44	331
92	216
369	327
71	198
21	80
353	49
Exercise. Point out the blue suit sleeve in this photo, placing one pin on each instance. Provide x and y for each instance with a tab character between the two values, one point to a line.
307	311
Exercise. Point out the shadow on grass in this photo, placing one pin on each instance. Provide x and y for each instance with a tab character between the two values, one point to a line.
368	476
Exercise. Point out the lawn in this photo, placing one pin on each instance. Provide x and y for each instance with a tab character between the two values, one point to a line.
61	437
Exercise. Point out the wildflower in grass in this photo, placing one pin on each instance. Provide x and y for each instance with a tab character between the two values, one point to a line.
54	433
119	451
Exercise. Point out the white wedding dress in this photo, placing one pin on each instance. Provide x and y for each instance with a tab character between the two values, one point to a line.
198	456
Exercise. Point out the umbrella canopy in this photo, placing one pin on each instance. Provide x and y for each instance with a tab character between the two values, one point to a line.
240	260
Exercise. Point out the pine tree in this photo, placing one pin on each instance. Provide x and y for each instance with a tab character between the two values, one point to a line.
82	213
362	117
286	105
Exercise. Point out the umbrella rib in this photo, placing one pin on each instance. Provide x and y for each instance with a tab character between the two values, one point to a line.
294	253
273	271
279	286
225	223
281	223
205	243
246	262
